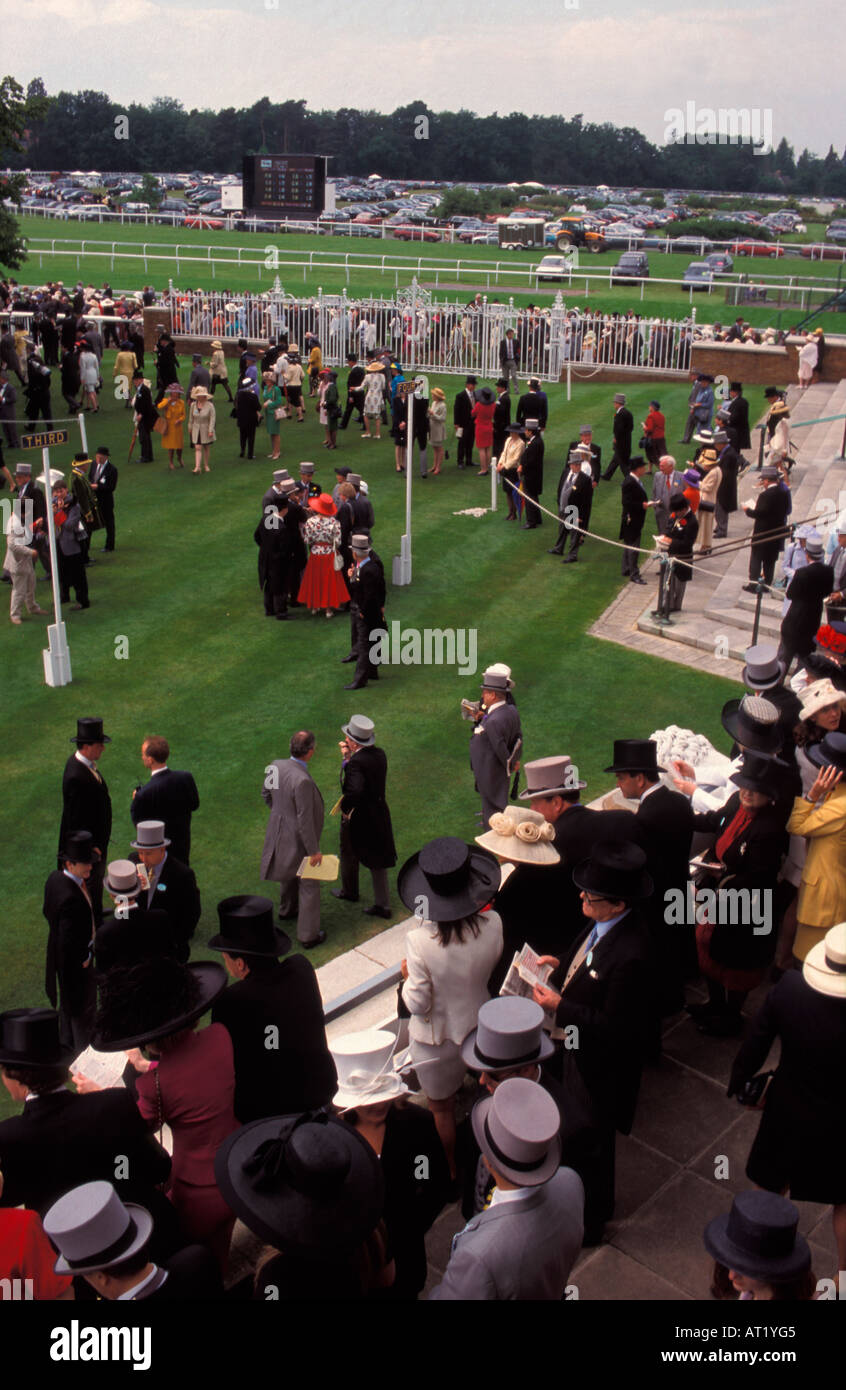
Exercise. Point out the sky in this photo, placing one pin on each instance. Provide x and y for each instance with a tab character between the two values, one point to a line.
611	60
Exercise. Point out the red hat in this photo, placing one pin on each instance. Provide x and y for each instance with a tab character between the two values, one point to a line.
832	636
323	504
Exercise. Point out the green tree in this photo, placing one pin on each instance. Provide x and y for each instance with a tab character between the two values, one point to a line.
16	113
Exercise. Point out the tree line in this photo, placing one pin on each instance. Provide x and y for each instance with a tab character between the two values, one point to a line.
88	130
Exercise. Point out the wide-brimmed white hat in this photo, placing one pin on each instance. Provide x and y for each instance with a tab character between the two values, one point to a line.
365	1073
520	835
824	968
819	694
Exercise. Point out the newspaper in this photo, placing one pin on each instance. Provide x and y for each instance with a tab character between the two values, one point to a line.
104	1068
524	972
326	870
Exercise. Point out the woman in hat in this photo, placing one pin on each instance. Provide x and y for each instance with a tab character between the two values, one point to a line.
186	1080
217	368
758	1252
802	1136
712	476
291	381
655	432
823	712
201	423
374	400
371	1098
437	427
777	446
315	367
322	583
482	415
692	480
247	412
748	844
807	363
820	815
508	465
528	902
172	408
272	404
448	885
329	407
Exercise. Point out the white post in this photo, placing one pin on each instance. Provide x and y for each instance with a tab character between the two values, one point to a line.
57	664
81	418
494	480
569	381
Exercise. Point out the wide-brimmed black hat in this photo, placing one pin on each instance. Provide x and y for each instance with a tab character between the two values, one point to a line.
306	1183
830	752
485	395
752	722
635	755
616	870
211	981
758	773
90	731
451	878
29	1038
79	847
246	928
759	1237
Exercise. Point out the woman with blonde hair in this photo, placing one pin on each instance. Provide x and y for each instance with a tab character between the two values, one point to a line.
374	400
201	423
437	427
172	407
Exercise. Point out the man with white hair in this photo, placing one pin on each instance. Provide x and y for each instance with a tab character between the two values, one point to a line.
667	481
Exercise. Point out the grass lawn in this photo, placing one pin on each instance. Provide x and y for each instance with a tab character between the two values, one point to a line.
365	275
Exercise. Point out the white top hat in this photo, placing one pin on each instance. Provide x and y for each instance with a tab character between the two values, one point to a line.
365	1074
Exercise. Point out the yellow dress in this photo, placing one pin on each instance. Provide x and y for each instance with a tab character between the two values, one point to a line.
822	891
174	413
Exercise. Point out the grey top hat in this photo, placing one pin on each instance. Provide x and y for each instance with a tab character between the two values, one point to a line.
575	458
93	1229
533	425
619	399
770	473
815	549
551	777
509	1033
763	670
23	468
360	542
122	879
517	1129
361	730
150	835
306	467
494	680
281	475
720	437
354	479
287	486
585	429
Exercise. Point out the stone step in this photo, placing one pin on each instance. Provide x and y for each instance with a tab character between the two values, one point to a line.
705	637
769	628
770	607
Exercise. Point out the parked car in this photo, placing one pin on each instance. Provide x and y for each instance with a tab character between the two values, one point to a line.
408	232
632	265
698	276
822	251
757	248
553	268
720	262
200	221
699	244
836	232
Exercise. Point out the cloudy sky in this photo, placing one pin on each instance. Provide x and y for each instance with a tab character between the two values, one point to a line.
612	60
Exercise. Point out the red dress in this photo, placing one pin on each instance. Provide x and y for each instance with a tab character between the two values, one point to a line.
483	417
322	585
197	1086
26	1254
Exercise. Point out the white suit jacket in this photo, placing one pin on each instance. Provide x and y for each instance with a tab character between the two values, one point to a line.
447	985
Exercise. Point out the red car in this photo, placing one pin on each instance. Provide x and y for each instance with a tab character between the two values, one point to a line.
205	224
411	233
757	248
823	252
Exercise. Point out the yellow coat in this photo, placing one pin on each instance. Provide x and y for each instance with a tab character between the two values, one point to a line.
174	412
822	892
315	360
125	364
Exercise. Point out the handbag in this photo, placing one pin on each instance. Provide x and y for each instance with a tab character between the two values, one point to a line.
338	560
707	506
753	1093
280	413
160	426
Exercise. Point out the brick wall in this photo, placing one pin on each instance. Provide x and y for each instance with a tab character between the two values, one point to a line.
765	366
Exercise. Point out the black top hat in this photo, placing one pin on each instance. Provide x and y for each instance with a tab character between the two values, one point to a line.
211	981
758	773
759	1237
30	1038
90	730
635	755
246	928
753	723
79	847
451	878
637	461
307	1183
830	752
616	870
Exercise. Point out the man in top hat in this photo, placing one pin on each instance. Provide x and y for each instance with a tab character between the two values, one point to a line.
342	472
146	414
524	1246
364	517
366	582
355	392
701	406
131	932
366	832
806	594
753	724
622	435
170	796
61	1139
530	470
171	885
72	920
200	375
677	542
34	505
592	466
763	674
533	405
501	417
738	416
86	804
575	499
604	987
509	359
664	828
273	1014
103	477
495	743
309	486
278	544
769	512
293	833
106	1242
728	462
86	499
635	503
464	424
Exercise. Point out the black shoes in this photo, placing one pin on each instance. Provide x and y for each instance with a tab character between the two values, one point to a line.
554	551
355	685
570	560
377	911
637	579
345	659
345	897
750	588
317	941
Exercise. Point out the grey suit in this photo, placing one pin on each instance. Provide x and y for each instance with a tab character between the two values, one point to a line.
294	829
519	1250
663	487
491	746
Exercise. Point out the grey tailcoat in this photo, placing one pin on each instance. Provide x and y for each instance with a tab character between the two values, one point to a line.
296	819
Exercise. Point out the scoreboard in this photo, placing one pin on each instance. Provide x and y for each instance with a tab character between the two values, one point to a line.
288	185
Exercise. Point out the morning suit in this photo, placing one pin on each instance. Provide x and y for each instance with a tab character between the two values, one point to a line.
501	421
293	832
137	935
575	490
71	546
298	1072
367	603
519	1250
192	1274
509	359
173	889
805	592
533	405
531	478
462	419
664	486
595	457
665	829
105	475
68	975
366	832
170	796
146	417
738	410
728	462
622	448
633	497
492	745
770	512
86	805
